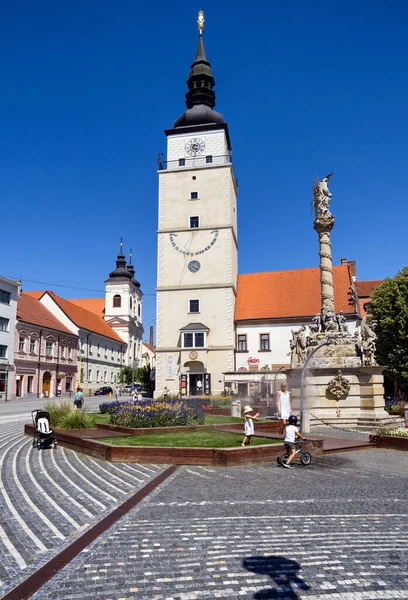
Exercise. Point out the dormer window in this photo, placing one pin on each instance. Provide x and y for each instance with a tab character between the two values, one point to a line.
117	301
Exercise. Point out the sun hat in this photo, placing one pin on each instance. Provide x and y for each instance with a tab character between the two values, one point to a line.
247	409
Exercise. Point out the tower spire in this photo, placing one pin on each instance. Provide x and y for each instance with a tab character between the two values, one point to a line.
131	269
121	270
200	98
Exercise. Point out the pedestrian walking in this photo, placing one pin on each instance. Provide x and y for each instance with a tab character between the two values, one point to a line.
117	391
139	396
283	405
165	392
249	424
199	385
79	399
291	435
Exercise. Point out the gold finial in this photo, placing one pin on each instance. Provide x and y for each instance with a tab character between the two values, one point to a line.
121	244
200	21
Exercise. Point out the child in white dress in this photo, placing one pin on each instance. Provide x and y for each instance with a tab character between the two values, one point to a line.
249	424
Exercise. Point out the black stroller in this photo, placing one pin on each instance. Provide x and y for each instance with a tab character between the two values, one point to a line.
44	436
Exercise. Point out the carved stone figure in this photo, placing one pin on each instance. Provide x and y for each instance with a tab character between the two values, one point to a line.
316	324
341	321
330	321
298	347
339	386
368	342
321	197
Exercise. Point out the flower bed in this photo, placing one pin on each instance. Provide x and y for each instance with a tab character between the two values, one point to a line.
155	413
386	437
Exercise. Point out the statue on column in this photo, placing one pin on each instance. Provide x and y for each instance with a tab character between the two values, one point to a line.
298	346
316	324
368	342
321	197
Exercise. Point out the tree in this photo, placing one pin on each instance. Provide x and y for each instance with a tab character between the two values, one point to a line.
125	375
144	376
389	308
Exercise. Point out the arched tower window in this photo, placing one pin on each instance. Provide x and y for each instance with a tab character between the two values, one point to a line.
117	301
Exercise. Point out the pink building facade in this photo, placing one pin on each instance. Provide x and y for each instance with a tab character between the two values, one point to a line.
45	353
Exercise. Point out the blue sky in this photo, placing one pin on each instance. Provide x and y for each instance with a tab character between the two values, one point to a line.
306	88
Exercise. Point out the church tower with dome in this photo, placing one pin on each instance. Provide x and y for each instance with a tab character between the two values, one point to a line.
197	244
123	307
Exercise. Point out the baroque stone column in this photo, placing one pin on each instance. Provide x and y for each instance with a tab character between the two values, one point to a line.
323	224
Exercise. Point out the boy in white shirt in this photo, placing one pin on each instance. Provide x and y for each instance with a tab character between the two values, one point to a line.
292	433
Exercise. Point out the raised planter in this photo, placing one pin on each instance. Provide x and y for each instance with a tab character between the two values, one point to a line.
82	440
390	441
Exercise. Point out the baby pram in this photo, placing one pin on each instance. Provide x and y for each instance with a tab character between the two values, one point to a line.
44	436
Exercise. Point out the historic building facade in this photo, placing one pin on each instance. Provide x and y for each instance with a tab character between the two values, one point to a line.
9	292
109	330
45	353
197	245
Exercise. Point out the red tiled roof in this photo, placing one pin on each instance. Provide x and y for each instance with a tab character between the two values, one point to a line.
35	294
365	288
285	294
95	305
150	347
84	318
30	310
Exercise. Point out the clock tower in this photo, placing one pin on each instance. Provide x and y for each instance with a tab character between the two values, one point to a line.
197	244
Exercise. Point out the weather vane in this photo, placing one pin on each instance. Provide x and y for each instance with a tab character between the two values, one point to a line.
200	21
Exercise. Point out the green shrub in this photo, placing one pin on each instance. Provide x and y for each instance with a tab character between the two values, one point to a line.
57	411
398	432
75	419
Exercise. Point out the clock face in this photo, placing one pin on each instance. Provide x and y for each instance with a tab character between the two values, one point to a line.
194	266
188	244
195	146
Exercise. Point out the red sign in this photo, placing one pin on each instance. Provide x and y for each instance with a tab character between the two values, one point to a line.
251	359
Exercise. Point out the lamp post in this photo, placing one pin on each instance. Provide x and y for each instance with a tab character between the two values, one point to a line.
135	364
304	422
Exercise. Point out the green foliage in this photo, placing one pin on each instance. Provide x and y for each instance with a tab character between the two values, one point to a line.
75	419
125	375
399	432
389	307
57	411
65	416
198	439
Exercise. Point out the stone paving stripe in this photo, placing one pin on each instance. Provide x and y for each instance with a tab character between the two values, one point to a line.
47	497
60	489
103	479
33	583
78	474
12	549
111	475
11	507
27	498
383	595
73	484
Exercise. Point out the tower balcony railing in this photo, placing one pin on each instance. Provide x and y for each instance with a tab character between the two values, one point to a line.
194	162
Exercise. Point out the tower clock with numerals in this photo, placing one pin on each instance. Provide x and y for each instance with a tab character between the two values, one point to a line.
197	245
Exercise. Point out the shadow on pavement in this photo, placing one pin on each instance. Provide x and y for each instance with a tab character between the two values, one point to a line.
283	571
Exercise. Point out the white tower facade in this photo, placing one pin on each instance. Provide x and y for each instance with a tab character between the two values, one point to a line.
197	246
123	308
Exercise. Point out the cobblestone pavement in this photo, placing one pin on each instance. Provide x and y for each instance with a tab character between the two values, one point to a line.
336	530
48	497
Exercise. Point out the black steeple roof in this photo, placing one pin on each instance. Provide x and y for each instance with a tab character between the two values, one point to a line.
200	98
121	270
131	270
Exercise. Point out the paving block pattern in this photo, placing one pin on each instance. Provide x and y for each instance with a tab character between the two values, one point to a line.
336	530
49	497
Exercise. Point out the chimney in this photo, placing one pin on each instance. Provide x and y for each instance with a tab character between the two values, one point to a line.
151	335
343	262
352	269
